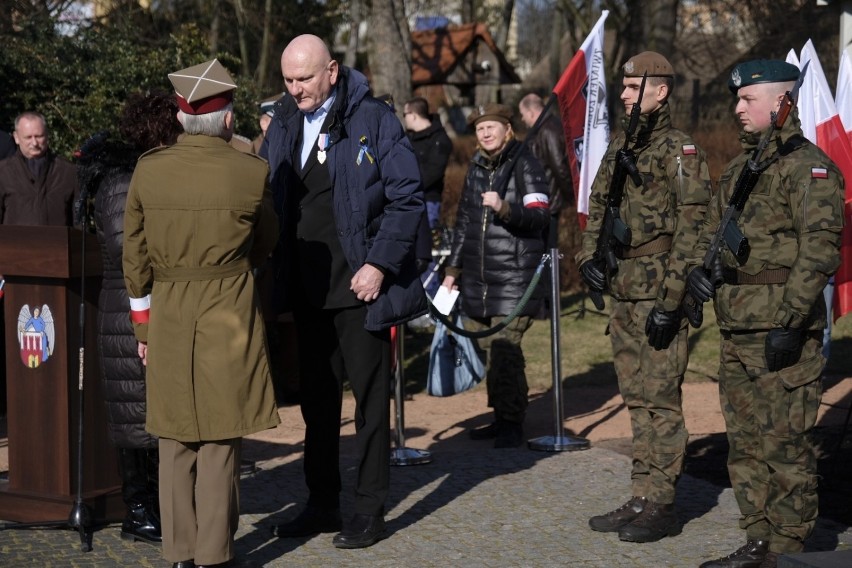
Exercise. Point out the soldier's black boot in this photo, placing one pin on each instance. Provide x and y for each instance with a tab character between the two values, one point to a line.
614	520
750	555
652	524
139	490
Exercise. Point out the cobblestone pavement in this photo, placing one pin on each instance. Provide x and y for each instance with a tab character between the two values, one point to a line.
467	508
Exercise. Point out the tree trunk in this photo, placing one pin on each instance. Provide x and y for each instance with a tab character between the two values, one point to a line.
389	50
354	26
265	47
661	26
239	9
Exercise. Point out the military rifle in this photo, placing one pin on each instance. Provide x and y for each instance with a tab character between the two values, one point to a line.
728	232
614	232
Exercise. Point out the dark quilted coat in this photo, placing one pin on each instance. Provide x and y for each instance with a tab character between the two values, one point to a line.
107	174
498	254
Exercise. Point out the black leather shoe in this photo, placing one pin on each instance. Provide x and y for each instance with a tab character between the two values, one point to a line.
652	524
311	521
361	532
485	433
184	564
141	523
750	555
624	515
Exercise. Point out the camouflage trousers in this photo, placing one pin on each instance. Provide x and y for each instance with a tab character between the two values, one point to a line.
505	379
769	417
650	384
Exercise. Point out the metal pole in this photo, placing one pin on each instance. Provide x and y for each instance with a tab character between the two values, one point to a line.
559	441
400	455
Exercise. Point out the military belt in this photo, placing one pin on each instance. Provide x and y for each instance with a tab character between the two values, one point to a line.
768	276
190	273
663	243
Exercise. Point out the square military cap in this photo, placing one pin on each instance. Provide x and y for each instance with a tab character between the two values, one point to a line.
203	88
650	62
761	71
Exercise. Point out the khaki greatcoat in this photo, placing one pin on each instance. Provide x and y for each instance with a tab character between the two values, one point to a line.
199	216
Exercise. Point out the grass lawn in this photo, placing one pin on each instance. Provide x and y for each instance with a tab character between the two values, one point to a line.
586	352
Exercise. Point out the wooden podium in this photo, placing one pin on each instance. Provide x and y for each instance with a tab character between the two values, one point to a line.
42	267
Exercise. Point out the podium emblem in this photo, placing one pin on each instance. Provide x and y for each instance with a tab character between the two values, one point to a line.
36	334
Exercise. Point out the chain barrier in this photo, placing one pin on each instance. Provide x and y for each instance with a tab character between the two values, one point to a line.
525	298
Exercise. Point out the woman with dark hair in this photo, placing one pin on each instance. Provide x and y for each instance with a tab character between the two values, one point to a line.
105	169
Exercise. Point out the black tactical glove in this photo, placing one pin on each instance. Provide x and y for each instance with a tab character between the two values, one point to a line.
699	286
593	276
662	327
783	348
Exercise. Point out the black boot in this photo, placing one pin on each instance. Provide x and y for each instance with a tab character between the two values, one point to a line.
614	520
750	555
655	522
140	495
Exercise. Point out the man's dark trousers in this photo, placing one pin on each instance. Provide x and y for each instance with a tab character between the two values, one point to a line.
335	346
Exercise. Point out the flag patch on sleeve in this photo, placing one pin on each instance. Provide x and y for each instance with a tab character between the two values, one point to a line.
689	150
536	200
819	173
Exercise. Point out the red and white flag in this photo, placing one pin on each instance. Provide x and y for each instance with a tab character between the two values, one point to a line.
821	125
842	303
844	93
581	92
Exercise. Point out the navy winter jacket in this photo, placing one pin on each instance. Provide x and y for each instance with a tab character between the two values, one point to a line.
377	202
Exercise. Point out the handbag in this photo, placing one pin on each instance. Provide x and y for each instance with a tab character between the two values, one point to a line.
455	362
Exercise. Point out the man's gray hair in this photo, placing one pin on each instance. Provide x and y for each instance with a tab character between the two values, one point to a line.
209	124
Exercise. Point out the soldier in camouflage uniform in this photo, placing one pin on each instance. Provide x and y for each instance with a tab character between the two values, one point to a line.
647	327
771	315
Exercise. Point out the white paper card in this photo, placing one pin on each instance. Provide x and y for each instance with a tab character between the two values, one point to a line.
444	300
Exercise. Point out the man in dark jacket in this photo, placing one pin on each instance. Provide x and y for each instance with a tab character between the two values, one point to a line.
37	187
548	145
433	148
347	183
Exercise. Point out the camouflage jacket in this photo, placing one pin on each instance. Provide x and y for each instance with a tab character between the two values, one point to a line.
792	219
671	203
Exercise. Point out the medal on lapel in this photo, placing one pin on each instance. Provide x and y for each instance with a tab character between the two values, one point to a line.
322	144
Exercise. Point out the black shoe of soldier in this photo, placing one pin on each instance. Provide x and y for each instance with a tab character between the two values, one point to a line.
750	555
652	524
624	515
362	531
770	560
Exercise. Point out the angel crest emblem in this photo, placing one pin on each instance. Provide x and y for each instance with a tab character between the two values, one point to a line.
36	334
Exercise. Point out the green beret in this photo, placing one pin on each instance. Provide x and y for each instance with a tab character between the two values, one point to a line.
650	62
761	71
490	111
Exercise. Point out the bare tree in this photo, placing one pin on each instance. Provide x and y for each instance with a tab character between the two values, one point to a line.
389	49
355	8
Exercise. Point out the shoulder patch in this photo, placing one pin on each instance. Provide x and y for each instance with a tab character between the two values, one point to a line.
819	173
689	150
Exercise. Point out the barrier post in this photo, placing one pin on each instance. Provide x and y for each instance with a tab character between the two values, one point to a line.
559	442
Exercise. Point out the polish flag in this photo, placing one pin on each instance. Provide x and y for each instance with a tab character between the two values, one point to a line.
581	92
844	92
821	125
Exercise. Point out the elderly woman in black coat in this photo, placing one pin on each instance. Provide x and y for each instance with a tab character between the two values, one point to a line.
106	166
497	245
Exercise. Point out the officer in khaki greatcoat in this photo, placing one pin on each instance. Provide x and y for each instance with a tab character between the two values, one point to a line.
771	315
647	327
199	218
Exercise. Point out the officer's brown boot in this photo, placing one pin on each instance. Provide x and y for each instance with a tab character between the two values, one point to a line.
655	522
750	555
614	520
